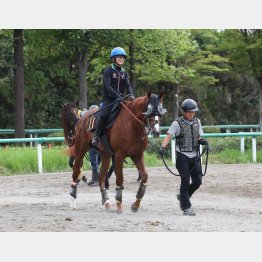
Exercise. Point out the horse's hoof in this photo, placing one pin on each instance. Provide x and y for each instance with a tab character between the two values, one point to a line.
73	203
107	206
134	208
72	207
119	208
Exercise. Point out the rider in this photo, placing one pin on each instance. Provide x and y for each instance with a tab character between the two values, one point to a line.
115	81
188	130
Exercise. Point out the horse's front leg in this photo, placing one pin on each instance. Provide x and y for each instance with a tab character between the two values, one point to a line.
76	176
139	163
105	162
119	160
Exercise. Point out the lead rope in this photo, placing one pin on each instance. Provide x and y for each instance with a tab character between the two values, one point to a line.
198	159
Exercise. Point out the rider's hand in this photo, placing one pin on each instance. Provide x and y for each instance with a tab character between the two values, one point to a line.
131	97
162	150
202	141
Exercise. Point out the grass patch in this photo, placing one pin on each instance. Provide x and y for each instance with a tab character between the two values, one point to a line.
23	160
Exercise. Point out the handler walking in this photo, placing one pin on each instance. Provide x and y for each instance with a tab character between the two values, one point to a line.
188	130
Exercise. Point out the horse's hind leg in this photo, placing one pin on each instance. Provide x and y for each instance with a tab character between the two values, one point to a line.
119	160
105	160
139	162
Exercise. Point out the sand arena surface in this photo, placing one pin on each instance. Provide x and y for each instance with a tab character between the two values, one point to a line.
229	200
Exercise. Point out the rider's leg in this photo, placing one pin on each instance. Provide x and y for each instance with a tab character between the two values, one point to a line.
101	122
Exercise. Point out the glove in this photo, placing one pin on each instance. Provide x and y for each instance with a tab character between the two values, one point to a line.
202	141
162	150
131	97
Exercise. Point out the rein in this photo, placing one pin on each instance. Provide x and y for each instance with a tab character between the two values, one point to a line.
140	122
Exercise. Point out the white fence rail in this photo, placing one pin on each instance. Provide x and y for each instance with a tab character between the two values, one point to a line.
41	140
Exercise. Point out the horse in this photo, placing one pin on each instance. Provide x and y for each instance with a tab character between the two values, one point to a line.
70	115
127	137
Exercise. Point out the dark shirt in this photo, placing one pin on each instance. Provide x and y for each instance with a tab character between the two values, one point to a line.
116	82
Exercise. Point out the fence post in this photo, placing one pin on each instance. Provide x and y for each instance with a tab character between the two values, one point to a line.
31	143
254	149
39	156
242	144
173	150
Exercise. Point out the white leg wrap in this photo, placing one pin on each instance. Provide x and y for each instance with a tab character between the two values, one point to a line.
73	203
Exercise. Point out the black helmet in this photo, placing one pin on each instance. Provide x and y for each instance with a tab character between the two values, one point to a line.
189	105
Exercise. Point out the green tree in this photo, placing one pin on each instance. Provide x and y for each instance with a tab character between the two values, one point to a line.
244	51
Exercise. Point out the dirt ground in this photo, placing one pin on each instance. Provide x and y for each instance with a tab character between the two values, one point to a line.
230	200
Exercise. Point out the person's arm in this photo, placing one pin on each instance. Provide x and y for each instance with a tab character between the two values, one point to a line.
128	86
166	140
173	130
201	141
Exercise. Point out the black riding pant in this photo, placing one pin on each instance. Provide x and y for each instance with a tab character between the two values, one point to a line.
188	168
104	115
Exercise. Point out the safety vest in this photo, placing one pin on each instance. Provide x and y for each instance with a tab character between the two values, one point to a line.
187	140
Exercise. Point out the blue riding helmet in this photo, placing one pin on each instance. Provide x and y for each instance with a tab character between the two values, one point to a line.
117	51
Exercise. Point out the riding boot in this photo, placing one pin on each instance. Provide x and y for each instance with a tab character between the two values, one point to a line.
94	180
99	131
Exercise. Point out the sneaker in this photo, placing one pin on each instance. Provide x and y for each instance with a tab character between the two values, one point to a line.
95	141
93	183
188	212
178	198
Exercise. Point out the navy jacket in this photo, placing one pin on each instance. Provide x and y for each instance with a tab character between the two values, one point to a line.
116	82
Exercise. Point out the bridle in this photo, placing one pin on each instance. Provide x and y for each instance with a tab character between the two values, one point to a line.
70	112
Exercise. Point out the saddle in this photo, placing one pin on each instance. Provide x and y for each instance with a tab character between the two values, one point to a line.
93	119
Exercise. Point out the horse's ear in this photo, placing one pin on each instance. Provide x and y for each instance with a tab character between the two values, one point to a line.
161	95
148	94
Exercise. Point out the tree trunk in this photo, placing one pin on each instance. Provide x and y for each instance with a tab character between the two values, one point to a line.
176	101
83	65
19	84
132	76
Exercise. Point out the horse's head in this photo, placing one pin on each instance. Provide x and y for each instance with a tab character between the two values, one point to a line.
70	118
154	111
154	105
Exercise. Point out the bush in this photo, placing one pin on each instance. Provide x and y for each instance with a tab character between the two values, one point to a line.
211	129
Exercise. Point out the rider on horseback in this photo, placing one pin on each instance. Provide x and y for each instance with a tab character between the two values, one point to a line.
115	81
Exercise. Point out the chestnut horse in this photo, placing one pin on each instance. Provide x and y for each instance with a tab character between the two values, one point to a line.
127	137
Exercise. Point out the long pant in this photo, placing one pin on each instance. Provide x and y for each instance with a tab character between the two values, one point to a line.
95	160
188	168
104	114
